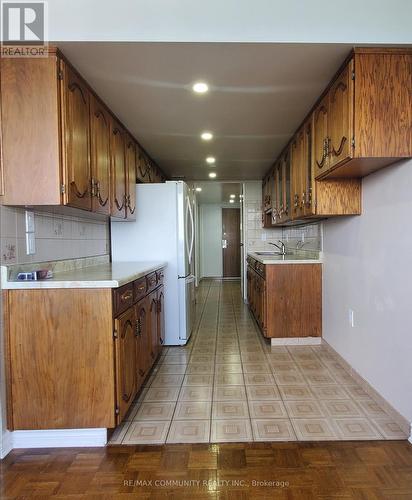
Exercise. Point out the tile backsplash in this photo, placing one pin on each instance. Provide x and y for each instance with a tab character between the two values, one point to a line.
307	237
57	236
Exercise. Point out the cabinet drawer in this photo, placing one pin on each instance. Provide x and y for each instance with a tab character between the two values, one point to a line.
140	288
123	298
160	276
151	281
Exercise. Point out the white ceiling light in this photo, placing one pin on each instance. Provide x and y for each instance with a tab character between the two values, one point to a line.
207	136
200	87
233	196
231	201
212	175
210	160
199	189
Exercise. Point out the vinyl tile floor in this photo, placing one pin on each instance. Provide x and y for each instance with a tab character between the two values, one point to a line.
229	385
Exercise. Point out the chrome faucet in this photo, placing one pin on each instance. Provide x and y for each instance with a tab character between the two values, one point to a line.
281	247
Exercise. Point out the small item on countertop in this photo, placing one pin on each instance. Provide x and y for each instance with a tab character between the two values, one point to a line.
41	274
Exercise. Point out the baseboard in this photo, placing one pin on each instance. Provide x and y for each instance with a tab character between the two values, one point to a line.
6	443
56	438
403	422
295	341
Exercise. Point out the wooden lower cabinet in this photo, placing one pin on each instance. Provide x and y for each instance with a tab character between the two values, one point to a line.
76	358
285	299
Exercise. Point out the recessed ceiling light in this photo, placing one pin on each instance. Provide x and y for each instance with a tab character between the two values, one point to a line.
207	136
200	87
210	160
198	189
231	201
233	196
212	175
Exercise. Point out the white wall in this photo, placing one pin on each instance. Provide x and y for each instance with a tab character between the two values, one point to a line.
368	269
317	21
210	236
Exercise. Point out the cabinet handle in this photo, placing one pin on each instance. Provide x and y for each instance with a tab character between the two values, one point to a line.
126	296
98	195
141	372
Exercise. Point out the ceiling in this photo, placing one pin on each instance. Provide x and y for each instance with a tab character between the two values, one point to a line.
259	93
218	192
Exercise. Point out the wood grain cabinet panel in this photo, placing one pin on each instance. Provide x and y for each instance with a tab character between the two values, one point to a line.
286	299
75	102
130	178
118	171
154	335
144	358
126	361
100	156
160	317
320	136
61	359
60	155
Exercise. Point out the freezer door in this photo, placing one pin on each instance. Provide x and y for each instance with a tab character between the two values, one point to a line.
187	307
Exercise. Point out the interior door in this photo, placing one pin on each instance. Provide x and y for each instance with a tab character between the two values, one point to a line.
76	138
231	242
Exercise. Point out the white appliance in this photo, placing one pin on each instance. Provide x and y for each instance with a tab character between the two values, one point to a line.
164	230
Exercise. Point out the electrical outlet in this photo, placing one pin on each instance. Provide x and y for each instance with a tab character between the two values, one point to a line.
30	244
352	318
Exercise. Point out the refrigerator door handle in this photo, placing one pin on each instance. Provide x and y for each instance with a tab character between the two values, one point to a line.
192	222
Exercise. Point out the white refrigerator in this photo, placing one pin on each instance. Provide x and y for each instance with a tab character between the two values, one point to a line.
164	230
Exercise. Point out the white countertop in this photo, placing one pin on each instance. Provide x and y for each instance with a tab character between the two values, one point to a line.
284	259
108	275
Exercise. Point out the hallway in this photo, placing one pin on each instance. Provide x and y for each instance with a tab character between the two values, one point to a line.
229	385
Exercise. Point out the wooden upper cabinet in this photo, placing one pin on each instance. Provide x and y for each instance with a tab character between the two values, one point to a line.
125	355
75	102
130	178
118	170
369	124
100	156
320	136
298	172
340	119
284	187
308	178
59	156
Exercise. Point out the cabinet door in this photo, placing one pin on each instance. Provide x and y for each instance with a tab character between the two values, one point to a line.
309	184
143	168
100	156
340	120
285	182
75	101
320	137
118	171
160	317
144	341
125	348
297	165
130	179
154	345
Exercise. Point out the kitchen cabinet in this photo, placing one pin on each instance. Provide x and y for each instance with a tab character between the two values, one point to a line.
130	199
118	170
100	123
369	96
75	103
285	299
60	156
298	174
144	340
76	358
126	360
